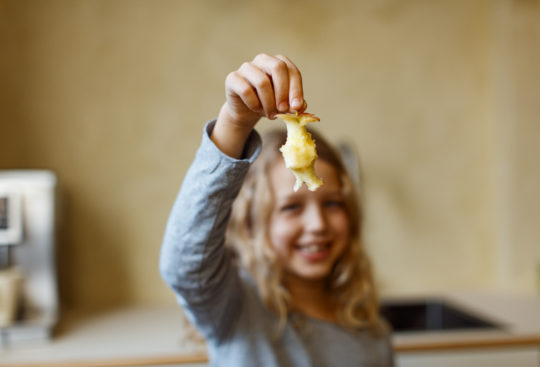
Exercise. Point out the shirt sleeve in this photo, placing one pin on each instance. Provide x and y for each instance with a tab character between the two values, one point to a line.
194	261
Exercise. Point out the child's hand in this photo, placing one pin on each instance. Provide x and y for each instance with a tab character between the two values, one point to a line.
266	86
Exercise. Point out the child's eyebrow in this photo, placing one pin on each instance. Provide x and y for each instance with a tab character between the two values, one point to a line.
330	191
289	197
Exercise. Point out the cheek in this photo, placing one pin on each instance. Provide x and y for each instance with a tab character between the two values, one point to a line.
341	226
282	234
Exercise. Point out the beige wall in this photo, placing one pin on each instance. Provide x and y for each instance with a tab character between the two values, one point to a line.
439	97
515	114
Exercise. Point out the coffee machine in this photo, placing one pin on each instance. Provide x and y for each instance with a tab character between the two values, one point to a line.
28	284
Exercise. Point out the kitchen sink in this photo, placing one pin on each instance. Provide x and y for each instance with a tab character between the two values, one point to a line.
432	315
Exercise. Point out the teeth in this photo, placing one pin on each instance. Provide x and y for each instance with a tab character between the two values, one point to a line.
312	248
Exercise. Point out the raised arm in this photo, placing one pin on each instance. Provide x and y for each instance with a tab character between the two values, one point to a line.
194	261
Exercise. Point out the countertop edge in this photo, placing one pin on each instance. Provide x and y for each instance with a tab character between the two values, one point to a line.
510	341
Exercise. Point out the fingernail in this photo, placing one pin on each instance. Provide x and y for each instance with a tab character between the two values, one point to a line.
296	103
283	107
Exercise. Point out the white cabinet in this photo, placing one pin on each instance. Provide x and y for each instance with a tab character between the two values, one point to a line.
493	357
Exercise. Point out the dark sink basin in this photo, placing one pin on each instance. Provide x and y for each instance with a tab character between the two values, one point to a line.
431	315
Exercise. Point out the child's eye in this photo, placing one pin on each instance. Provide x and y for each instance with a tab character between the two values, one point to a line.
290	207
334	204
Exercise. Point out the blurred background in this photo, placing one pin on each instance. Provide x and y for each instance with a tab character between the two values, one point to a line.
441	99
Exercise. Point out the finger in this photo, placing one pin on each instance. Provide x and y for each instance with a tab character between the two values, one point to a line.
304	107
238	86
278	71
296	89
262	84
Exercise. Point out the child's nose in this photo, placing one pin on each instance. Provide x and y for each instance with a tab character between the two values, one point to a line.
314	218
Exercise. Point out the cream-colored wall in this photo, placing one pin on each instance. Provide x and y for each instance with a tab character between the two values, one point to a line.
515	114
439	97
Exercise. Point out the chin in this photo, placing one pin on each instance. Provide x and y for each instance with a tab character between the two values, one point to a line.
315	274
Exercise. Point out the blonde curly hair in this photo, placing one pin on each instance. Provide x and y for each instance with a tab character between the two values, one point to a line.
350	283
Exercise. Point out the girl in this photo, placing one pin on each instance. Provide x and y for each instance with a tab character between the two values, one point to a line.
280	278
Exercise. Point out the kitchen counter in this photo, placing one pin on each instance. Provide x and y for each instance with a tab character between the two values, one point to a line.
517	315
133	336
158	335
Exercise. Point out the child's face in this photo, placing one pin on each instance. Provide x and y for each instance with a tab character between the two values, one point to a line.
308	230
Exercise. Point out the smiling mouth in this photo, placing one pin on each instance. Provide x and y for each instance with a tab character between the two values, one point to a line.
314	249
314	252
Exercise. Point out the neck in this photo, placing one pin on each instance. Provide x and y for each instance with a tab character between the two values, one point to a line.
310	297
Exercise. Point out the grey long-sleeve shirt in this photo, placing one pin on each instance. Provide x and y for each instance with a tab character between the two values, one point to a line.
221	301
